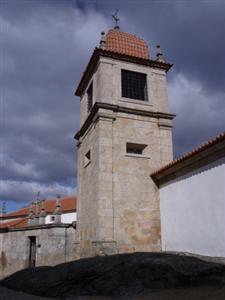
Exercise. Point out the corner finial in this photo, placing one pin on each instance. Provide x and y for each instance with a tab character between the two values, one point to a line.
103	40
116	19
159	55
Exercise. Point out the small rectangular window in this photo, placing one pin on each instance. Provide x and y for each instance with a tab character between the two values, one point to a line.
133	148
134	85
87	158
52	218
90	97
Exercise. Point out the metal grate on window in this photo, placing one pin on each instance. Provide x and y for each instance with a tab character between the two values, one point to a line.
90	97
134	85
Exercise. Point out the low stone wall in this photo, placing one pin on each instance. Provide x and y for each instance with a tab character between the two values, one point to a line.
55	244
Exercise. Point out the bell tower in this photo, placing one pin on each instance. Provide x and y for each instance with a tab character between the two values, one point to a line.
125	133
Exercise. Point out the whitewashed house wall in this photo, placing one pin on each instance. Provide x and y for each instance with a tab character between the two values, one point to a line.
193	211
66	218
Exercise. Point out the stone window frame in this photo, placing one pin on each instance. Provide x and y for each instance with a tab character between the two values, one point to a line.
138	146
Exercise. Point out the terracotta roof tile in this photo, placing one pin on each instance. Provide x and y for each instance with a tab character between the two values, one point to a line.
126	43
67	204
202	147
15	224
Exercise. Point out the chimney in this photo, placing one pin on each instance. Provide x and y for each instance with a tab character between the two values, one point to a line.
37	212
31	215
58	210
42	212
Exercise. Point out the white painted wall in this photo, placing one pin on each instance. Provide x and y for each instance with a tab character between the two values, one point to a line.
193	212
65	218
69	217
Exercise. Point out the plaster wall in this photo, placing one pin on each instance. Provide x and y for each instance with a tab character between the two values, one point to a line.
193	211
67	218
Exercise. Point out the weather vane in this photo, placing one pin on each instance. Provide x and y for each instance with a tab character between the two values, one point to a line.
116	19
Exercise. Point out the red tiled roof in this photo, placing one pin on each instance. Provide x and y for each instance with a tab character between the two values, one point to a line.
67	204
202	147
126	43
16	223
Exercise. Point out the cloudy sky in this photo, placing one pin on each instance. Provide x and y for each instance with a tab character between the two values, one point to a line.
45	46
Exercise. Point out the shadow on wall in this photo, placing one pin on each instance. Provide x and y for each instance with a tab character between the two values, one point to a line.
3	260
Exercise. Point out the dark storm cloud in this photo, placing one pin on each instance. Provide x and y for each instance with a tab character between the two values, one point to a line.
44	51
45	46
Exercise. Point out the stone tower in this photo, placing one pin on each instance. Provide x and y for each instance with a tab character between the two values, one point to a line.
125	133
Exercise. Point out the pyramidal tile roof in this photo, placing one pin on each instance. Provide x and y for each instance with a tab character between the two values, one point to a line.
126	43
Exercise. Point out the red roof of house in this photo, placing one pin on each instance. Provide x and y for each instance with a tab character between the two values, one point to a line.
126	43
19	223
67	204
219	138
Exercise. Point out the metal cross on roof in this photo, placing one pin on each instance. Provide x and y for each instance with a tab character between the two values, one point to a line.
116	19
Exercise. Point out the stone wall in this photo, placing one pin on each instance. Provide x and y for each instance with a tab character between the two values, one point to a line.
54	244
118	202
107	87
118	207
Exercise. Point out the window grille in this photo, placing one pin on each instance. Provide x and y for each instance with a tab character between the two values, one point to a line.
134	85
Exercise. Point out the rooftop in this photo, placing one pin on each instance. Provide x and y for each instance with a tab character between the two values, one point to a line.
206	152
68	204
126	43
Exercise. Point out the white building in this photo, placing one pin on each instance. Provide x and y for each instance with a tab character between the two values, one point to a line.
192	200
41	213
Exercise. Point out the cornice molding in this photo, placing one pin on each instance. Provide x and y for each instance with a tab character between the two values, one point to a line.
123	57
117	108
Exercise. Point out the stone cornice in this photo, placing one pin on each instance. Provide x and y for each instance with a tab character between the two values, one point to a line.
123	57
117	108
36	227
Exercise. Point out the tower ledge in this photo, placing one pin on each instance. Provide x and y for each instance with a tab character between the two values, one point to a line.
118	56
117	108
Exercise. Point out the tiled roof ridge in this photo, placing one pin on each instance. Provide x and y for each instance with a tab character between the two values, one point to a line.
189	154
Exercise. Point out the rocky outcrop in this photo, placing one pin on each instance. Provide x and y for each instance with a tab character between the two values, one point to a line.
124	275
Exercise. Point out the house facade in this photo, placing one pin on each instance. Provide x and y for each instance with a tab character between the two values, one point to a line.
42	234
